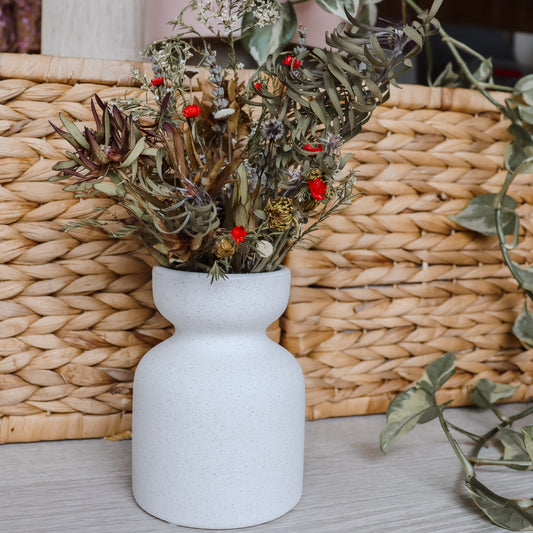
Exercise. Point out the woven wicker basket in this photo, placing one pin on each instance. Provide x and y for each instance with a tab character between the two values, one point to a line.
76	311
392	284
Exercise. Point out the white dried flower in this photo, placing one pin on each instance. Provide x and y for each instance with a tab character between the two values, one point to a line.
223	114
266	12
264	248
273	129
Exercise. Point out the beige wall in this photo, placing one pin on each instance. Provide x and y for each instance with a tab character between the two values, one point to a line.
120	29
105	29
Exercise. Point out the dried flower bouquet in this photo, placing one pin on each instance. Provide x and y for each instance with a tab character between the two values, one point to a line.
230	181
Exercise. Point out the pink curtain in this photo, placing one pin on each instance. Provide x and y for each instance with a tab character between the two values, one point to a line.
20	26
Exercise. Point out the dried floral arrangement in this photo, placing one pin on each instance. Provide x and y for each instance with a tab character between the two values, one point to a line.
230	181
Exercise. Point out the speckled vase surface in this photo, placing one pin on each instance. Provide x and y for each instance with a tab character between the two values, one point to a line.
219	408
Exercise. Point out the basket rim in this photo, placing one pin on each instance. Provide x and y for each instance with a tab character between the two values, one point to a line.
55	69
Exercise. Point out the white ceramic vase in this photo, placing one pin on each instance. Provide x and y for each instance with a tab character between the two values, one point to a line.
218	409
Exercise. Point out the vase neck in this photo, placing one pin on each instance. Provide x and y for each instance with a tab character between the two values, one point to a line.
241	301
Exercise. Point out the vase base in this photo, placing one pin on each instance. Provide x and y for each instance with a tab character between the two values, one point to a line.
178	519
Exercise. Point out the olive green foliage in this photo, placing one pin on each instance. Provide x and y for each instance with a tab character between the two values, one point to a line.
229	181
262	41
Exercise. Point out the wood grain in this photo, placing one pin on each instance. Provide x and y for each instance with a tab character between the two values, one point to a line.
349	487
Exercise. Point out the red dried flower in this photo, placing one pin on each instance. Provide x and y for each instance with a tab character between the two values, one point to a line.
317	188
287	60
238	233
157	81
191	111
290	60
308	148
258	86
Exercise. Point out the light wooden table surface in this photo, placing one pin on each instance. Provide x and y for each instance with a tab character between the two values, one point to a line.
350	487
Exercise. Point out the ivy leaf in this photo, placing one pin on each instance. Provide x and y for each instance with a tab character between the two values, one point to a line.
516	515
524	87
409	408
514	449
479	215
486	393
484	71
525	112
438	372
368	12
260	42
337	7
523	327
519	149
527	433
524	276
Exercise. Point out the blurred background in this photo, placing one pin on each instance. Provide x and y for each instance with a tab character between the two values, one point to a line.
500	29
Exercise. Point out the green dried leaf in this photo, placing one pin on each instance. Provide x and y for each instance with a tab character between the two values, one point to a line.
241	216
331	89
378	52
74	131
63	165
135	153
406	410
479	215
486	393
438	372
516	515
260	214
414	35
318	108
434	8
338	7
108	188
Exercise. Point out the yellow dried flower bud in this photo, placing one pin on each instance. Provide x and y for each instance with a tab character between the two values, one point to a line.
280	214
313	174
224	246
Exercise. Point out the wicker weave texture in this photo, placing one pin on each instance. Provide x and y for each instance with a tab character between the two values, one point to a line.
76	309
393	283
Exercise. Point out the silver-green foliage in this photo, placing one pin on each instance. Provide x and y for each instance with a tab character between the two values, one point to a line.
419	405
